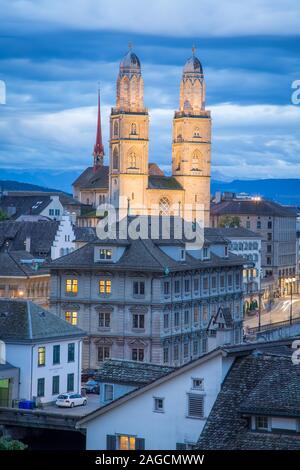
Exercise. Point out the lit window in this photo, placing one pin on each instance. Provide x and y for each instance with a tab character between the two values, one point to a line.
72	286
105	254
158	405
104	286
41	356
71	317
126	443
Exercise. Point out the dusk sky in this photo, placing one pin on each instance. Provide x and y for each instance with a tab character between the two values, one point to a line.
53	54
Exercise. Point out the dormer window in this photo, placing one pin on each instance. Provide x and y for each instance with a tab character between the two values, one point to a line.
105	254
262	423
182	255
205	253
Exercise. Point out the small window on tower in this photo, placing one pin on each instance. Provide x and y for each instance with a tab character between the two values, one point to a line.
115	159
196	132
133	129
116	128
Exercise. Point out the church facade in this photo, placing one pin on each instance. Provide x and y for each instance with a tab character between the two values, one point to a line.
132	184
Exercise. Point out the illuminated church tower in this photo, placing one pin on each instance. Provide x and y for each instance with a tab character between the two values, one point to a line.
191	148
129	137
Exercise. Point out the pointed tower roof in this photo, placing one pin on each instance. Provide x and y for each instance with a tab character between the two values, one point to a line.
98	147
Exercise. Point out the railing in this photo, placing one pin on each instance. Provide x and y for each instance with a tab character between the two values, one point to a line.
38	419
272	326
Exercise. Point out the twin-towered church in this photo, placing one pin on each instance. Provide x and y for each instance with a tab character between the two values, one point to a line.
130	177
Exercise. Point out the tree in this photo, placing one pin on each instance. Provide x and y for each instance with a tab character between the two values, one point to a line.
229	221
3	216
10	444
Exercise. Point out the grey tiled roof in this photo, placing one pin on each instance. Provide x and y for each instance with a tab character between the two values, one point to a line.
20	264
163	182
42	233
265	383
24	321
24	205
85	234
140	254
249	207
131	372
91	179
232	232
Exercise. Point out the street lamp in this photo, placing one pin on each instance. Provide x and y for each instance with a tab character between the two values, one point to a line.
290	281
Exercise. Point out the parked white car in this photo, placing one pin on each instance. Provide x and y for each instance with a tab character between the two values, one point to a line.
70	400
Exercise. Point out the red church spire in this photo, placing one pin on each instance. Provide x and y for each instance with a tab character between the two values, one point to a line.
98	147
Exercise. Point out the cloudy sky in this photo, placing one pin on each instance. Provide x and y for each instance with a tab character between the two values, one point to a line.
53	54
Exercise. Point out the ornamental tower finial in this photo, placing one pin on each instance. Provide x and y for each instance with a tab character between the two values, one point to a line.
98	153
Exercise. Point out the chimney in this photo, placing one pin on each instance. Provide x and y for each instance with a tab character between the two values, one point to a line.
28	244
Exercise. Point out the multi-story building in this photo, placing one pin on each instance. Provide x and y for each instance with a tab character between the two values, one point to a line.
276	225
245	243
148	300
22	276
46	349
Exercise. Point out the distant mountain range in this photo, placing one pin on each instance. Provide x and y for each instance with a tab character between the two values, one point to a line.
285	191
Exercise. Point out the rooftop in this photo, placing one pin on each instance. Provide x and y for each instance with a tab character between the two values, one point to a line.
42	234
131	372
22	321
263	382
255	207
21	264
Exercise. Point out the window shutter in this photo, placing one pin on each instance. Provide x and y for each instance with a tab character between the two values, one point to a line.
195	406
139	444
180	446
111	442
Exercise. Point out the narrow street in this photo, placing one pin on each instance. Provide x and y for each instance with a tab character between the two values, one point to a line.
279	312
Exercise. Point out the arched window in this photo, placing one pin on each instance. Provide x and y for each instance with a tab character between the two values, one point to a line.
132	159
196	160
115	159
164	206
133	129
116	128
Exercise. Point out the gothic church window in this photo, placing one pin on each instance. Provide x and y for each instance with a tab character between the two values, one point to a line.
164	206
132	160
115	159
116	128
196	160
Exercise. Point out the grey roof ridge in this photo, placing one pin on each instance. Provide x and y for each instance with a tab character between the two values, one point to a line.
17	263
152	254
